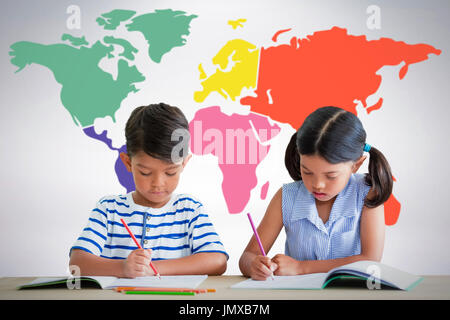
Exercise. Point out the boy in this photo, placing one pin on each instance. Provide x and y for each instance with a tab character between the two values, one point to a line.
173	229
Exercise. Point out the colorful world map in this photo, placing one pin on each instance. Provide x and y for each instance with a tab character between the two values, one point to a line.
288	80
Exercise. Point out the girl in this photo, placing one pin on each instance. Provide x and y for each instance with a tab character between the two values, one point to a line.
332	216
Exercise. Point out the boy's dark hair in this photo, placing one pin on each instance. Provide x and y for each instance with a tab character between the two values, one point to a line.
151	128
338	136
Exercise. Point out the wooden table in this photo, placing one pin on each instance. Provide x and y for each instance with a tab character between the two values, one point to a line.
431	288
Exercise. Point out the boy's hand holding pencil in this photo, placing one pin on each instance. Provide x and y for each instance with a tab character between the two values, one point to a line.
137	264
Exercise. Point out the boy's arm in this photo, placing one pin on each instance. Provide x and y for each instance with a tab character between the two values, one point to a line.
210	263
137	264
92	265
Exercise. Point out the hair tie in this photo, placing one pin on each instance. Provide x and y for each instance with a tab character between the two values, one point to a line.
367	147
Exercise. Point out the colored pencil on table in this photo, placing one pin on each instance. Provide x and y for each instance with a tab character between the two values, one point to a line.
257	237
119	289
179	293
139	246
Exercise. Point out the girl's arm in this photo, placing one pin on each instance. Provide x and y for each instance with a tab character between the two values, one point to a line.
252	263
372	228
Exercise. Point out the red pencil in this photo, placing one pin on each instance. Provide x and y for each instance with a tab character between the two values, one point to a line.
139	246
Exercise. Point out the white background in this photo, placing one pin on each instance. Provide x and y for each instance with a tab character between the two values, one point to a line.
51	174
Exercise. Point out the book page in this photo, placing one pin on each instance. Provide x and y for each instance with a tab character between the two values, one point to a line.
44	280
307	281
387	274
48	281
191	282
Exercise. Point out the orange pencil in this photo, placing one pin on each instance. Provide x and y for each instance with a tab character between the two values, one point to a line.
139	246
154	289
120	289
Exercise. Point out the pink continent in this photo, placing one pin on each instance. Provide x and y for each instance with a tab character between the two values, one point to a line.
239	151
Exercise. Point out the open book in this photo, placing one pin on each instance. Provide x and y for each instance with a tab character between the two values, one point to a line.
191	282
371	274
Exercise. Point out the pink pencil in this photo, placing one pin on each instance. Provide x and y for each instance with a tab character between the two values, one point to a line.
139	246
257	237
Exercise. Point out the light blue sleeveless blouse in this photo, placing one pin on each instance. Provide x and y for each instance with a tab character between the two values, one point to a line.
307	237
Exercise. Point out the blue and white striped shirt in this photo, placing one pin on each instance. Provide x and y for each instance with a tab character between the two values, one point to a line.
178	229
307	237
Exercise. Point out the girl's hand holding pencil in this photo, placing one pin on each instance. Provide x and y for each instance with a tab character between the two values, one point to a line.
288	266
262	267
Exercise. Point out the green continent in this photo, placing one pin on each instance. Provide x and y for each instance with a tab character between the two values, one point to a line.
111	20
75	41
128	49
87	91
163	30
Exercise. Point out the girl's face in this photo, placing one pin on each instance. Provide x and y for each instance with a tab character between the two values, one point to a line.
155	180
323	179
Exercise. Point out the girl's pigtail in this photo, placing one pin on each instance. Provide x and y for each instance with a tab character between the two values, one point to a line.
292	159
379	178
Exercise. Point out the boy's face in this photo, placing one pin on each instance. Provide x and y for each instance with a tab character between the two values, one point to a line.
323	179
155	179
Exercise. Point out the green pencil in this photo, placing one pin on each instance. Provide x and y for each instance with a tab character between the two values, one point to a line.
180	293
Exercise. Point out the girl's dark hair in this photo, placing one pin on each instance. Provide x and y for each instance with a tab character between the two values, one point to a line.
338	136
150	129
